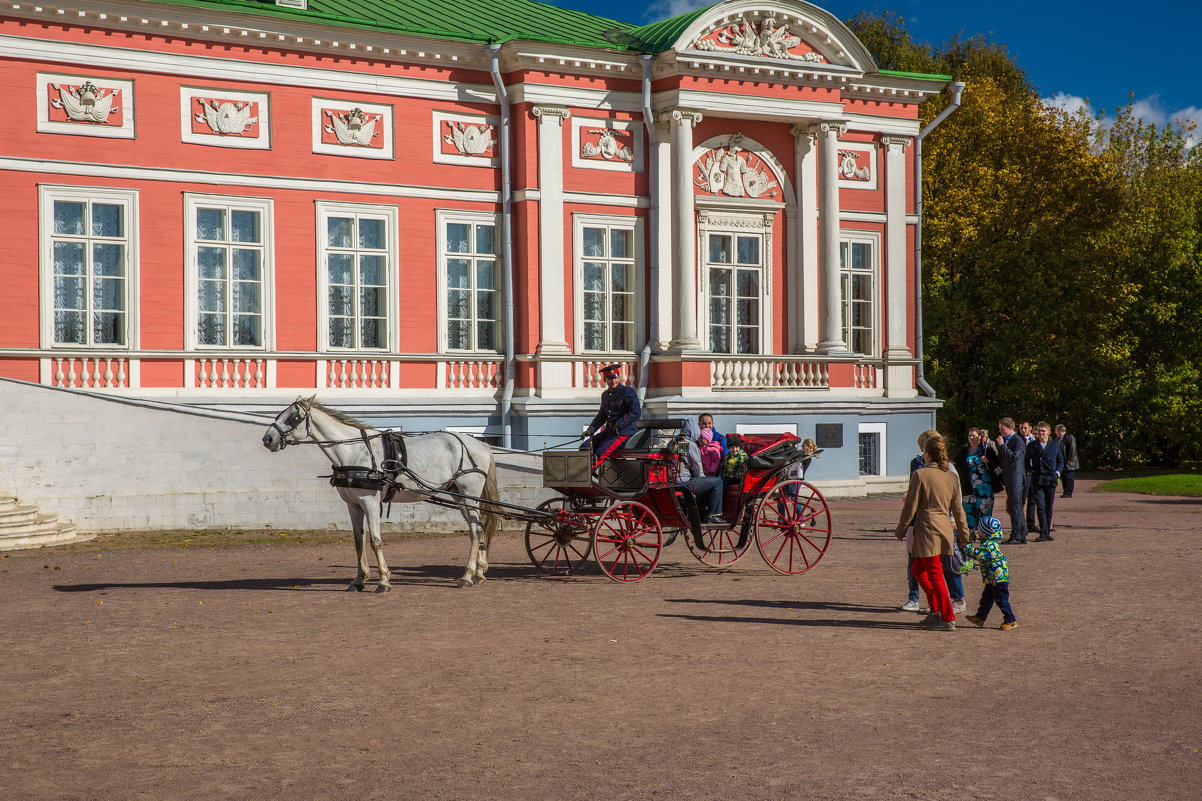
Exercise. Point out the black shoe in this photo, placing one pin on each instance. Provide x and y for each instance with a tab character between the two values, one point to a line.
1048	538
1011	541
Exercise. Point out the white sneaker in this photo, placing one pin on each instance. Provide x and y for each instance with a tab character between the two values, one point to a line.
959	606
910	606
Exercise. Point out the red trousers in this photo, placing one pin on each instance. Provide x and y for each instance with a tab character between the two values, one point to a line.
928	572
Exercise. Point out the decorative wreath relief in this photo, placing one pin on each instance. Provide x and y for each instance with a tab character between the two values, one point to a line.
227	118
734	172
607	145
848	165
470	140
768	41
86	103
356	127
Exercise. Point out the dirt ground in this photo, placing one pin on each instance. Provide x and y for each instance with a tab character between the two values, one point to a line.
247	673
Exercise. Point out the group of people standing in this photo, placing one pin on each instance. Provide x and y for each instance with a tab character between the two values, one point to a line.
947	517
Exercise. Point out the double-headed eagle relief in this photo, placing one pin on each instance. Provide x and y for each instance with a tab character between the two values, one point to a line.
768	40
85	103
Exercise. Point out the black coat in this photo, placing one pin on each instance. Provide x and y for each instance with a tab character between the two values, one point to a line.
1044	464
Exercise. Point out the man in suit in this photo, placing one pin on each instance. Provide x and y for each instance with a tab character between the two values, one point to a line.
1068	445
1013	450
1045	462
1028	433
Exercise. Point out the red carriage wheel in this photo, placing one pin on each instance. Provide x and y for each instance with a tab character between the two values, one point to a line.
792	527
557	549
627	541
722	544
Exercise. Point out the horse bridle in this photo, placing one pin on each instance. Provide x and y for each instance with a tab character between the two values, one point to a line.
299	414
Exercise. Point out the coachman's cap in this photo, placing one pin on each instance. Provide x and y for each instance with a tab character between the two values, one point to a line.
610	369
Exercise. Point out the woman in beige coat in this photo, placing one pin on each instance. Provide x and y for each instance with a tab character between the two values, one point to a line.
932	501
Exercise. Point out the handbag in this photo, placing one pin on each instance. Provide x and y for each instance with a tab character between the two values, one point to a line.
958	562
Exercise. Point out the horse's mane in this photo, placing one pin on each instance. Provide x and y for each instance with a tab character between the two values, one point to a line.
341	417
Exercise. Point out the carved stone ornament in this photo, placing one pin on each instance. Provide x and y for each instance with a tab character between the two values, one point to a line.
356	127
734	172
607	145
469	140
849	165
87	103
767	40
227	118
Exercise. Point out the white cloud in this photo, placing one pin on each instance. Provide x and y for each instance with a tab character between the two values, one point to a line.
663	9
1068	103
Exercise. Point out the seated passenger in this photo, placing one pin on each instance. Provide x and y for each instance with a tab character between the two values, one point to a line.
711	453
707	489
734	465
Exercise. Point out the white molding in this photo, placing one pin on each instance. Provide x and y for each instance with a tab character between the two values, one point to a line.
441	157
272	182
127	198
322	108
266	207
882	454
329	208
550	135
574	97
633	127
873	164
188	95
124	89
896	126
750	107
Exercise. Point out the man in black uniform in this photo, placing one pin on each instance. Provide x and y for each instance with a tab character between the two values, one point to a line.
615	421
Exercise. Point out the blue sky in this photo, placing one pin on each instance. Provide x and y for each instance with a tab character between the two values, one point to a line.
1102	50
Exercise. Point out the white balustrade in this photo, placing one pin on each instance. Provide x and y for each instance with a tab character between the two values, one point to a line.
212	373
768	374
473	374
90	372
358	373
586	375
864	376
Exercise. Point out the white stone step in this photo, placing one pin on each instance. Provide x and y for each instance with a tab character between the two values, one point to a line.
59	536
26	527
20	515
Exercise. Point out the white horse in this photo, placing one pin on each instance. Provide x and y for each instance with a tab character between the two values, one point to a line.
438	461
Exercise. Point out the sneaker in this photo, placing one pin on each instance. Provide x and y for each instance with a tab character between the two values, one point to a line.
910	606
949	625
1009	626
930	619
959	606
976	621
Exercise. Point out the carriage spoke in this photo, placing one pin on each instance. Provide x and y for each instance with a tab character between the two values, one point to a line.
634	533
792	527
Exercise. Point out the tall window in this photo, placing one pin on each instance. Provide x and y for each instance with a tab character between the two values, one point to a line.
87	246
357	258
858	279
229	253
734	269
469	258
607	280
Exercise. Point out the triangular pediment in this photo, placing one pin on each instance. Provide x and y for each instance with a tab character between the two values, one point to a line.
782	32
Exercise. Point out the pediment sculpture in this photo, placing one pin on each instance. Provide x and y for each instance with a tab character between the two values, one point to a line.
768	40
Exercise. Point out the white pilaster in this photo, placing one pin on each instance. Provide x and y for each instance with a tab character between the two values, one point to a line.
895	247
684	234
804	301
828	215
550	229
663	243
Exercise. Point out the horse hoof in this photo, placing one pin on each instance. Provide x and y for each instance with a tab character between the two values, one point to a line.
464	583
383	588
356	588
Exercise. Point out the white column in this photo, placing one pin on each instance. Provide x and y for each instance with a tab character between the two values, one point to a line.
663	243
895	247
804	263
828	215
684	234
550	229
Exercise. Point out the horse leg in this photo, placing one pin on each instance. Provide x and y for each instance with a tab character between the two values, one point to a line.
372	510
473	555
360	551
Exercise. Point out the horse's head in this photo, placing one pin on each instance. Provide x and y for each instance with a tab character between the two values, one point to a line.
283	428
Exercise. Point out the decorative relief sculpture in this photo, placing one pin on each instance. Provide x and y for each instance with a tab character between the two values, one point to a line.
356	127
849	165
87	103
769	41
227	118
607	146
469	140
734	172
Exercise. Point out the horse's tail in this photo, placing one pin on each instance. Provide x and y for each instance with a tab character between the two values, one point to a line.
492	520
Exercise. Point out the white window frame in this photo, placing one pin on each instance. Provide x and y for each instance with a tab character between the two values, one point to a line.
444	217
736	224
873	239
609	222
266	209
128	199
326	209
882	454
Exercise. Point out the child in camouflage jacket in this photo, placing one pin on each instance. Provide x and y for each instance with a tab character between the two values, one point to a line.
995	572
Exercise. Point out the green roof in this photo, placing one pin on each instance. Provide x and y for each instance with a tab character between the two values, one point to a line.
659	36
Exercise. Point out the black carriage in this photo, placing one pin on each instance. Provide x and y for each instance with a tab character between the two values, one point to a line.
627	509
